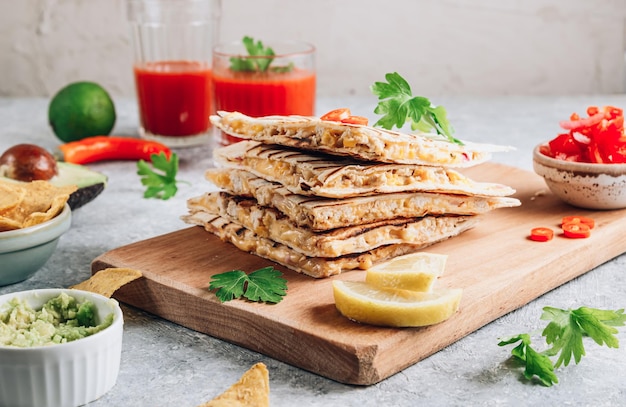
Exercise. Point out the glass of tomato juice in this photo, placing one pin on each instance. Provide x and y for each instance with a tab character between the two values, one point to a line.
282	83
172	43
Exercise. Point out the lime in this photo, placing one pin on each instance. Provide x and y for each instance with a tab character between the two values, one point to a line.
81	109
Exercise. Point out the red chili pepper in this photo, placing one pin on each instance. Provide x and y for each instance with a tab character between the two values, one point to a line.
336	115
108	148
578	219
343	115
355	120
576	230
541	234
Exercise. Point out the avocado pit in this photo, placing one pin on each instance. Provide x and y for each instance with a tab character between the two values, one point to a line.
29	162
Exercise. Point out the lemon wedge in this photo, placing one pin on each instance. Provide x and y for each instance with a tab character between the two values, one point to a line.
361	302
415	271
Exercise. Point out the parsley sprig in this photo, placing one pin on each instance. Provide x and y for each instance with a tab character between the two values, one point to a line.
263	285
259	59
398	106
160	184
565	332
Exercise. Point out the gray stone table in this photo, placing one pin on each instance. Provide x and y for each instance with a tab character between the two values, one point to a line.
164	364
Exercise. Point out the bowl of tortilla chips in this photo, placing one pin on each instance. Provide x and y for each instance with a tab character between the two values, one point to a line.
33	216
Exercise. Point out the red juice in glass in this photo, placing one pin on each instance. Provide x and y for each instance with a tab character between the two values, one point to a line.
172	43
266	93
285	86
174	97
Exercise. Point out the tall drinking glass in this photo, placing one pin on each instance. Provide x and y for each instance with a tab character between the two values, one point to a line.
172	42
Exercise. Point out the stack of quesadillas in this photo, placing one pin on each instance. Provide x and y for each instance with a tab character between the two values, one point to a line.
323	197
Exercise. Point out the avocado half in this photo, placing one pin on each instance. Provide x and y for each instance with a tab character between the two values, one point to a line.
90	183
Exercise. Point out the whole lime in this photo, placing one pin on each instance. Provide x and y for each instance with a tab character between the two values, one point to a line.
81	109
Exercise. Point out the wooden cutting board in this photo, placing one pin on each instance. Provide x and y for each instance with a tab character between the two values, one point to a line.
496	264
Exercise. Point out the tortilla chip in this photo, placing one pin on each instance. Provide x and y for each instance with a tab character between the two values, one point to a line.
252	390
56	207
43	201
7	224
107	281
31	203
11	196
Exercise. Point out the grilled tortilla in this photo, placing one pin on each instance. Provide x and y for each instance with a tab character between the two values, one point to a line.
317	267
320	214
269	223
333	177
362	142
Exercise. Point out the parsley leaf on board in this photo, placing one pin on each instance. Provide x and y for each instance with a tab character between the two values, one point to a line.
255	49
161	185
565	333
398	106
262	285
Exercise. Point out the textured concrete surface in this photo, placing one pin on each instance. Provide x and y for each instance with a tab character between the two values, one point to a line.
166	365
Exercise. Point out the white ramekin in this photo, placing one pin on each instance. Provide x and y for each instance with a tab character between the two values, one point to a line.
68	374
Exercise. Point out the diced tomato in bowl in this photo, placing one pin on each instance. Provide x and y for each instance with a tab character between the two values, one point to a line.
585	166
598	138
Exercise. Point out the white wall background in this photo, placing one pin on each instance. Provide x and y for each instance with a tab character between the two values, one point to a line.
468	47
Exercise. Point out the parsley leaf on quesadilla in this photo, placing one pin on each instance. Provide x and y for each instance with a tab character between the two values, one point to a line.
398	105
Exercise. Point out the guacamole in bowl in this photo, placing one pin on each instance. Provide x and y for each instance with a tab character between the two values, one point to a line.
64	347
61	319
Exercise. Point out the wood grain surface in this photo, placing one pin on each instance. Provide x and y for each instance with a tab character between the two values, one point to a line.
495	263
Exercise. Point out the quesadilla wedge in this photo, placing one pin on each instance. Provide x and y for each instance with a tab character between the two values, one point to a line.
269	223
320	214
333	177
358	141
317	267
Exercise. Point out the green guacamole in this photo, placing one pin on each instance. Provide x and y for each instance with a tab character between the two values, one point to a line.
61	319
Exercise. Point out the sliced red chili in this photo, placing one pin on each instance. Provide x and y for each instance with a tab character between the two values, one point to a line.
355	120
579	219
541	234
336	115
576	230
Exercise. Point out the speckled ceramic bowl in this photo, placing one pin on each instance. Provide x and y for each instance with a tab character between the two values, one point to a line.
67	374
584	185
24	251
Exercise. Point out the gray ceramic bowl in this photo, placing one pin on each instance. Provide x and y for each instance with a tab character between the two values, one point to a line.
24	251
584	185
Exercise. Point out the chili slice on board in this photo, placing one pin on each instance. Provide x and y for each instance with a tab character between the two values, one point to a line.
541	234
578	219
576	230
